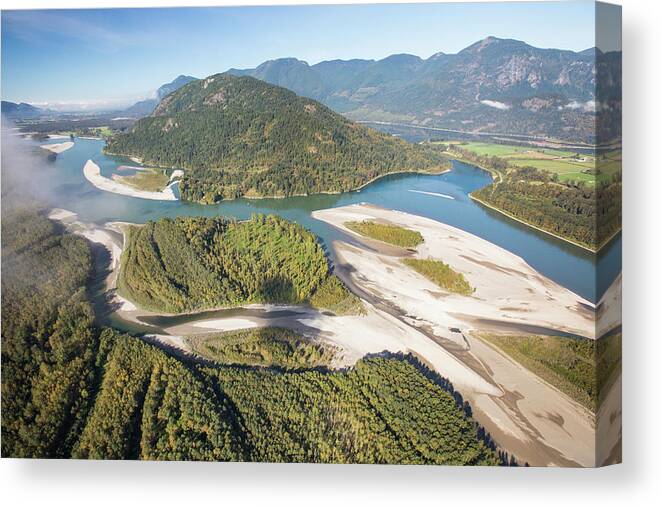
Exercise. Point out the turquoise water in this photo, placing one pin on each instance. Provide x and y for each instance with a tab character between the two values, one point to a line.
564	263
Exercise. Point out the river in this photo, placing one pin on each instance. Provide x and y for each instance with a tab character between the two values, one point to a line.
441	197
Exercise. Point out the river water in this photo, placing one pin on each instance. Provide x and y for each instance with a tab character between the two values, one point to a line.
441	197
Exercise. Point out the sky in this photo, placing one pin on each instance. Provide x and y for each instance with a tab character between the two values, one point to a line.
106	57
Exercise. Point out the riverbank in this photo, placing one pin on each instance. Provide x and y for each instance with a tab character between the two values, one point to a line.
58	147
354	335
530	418
530	301
92	173
528	224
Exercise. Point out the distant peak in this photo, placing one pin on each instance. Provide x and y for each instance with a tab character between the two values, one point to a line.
435	56
491	41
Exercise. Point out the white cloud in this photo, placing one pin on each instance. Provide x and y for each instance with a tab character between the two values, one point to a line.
84	105
498	105
589	106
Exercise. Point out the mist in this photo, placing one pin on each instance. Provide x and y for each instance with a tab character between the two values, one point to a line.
26	174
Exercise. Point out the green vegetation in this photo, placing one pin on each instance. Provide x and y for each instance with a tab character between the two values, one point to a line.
581	368
332	295
269	346
152	180
441	274
193	263
587	215
569	166
609	362
388	233
239	136
151	406
48	343
72	390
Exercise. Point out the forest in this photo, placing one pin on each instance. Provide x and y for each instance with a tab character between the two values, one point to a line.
71	389
238	136
588	215
194	263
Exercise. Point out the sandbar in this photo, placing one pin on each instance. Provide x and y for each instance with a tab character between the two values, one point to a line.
58	147
93	174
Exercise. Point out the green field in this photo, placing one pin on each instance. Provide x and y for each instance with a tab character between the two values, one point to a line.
392	234
152	180
568	165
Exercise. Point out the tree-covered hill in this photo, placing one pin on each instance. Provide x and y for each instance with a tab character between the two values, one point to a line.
238	136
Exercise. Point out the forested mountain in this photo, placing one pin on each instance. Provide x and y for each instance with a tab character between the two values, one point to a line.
22	111
239	136
70	389
495	85
147	106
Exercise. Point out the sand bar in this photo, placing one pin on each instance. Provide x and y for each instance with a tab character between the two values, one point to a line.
93	174
58	147
530	418
507	289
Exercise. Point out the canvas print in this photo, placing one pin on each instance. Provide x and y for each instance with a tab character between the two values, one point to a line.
383	234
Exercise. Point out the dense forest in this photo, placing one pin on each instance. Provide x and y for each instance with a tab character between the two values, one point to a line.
587	215
70	389
192	263
238	136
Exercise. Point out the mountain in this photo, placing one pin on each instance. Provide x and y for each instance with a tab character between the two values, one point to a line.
22	110
239	136
495	85
141	108
173	85
147	106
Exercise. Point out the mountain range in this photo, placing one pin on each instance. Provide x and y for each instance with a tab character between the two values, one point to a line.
495	85
147	106
23	110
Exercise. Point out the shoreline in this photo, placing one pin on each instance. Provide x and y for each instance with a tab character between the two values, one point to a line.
57	147
519	418
138	160
527	224
92	173
506	399
496	178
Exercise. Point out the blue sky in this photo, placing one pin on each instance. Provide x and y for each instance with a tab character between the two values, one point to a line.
105	57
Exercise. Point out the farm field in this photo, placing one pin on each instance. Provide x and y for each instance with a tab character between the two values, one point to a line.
569	166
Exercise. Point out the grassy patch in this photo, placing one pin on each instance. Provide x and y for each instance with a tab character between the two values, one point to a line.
334	296
441	274
570	364
568	165
393	234
152	180
263	347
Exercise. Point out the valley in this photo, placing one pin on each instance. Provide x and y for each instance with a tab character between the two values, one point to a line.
399	260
